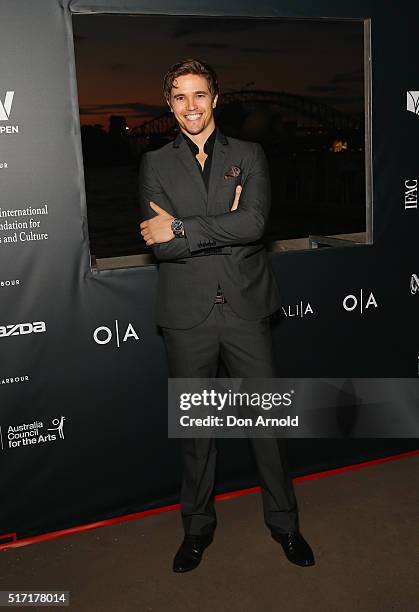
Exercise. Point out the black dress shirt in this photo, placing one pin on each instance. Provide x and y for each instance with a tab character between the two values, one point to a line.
208	149
206	170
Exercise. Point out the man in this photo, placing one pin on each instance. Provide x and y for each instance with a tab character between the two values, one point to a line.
206	200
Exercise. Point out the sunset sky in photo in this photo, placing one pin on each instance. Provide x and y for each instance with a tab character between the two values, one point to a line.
121	60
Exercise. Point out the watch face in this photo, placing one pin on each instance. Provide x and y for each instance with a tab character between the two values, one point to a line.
177	225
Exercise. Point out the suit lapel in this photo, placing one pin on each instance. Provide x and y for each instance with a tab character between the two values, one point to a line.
190	165
217	169
218	165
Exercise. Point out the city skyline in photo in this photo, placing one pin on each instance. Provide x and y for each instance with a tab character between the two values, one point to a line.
121	60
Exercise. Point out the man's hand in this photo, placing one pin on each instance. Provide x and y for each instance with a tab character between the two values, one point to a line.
158	229
236	198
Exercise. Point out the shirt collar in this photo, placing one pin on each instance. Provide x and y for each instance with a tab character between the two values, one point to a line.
208	146
219	135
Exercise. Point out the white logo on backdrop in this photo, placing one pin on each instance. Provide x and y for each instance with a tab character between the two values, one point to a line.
59	426
300	309
21	329
414	284
13	380
411	193
413	102
10	283
29	434
353	302
6	106
104	334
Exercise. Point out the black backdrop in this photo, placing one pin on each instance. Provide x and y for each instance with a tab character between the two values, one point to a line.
113	456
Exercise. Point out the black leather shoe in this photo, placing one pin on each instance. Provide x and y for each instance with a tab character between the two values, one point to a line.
296	549
189	555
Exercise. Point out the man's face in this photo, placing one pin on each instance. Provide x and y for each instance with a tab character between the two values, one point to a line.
192	103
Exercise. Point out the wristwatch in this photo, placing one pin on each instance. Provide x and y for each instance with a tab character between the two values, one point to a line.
177	228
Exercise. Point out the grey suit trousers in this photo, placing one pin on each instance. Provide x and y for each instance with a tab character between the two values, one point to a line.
245	348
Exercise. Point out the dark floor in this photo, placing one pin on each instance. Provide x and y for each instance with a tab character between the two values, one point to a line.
363	526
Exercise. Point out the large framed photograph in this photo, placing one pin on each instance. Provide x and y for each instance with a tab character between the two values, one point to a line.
299	87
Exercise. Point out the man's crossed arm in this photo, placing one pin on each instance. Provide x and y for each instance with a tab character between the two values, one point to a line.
241	225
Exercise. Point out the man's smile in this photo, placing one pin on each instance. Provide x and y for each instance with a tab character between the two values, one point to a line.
193	116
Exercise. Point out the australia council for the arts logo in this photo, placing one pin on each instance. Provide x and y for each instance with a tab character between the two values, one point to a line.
27	434
413	102
6	102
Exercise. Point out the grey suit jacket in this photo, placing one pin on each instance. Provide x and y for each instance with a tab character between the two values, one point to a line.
220	247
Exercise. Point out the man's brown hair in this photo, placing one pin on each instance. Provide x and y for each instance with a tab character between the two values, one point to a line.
190	66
